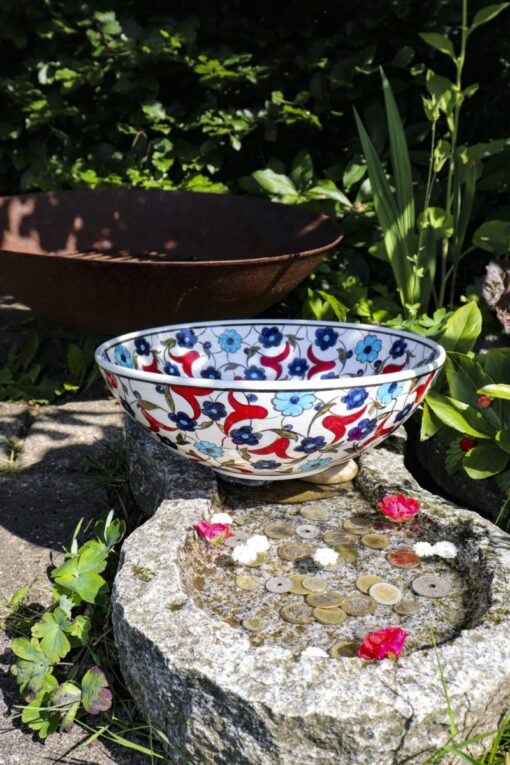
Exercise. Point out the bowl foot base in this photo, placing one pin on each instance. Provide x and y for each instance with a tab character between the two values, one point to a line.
334	475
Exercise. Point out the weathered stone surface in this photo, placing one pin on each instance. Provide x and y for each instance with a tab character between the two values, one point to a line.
228	701
64	438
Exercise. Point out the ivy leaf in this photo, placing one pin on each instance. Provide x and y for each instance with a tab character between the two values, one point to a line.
80	573
485	460
51	631
67	697
439	42
32	665
486	14
96	696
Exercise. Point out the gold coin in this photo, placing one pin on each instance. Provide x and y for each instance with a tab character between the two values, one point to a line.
259	560
329	599
348	554
375	541
297	613
329	615
248	582
294	551
255	624
364	583
314	584
314	513
358	524
297	584
359	605
279	530
407	608
337	537
343	648
385	594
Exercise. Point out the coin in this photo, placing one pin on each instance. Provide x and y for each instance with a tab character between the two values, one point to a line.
259	560
294	551
385	594
348	554
375	541
329	615
329	599
344	648
307	531
365	582
297	613
358	524
279	530
432	586
359	605
406	608
248	582
297	584
314	513
238	539
314	584
255	624
404	558
279	584
338	537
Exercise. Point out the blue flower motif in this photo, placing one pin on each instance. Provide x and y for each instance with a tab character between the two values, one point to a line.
270	337
325	338
348	355
183	420
129	409
368	348
160	389
398	348
207	345
377	364
318	462
293	404
388	392
298	367
214	410
254	373
230	341
354	398
362	429
266	465
403	414
123	356
319	406
209	449
142	346
251	397
329	376
186	338
166	441
245	436
171	369
210	373
310	444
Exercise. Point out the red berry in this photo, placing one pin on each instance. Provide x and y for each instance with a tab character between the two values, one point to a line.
467	443
484	402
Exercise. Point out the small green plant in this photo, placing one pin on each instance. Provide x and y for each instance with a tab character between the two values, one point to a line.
424	250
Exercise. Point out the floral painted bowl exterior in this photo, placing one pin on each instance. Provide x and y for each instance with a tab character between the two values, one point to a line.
270	400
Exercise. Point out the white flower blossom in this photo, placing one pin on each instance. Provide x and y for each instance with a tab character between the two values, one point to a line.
314	653
325	556
244	554
445	550
424	549
258	542
222	518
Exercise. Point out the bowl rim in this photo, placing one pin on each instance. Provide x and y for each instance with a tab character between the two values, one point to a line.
270	385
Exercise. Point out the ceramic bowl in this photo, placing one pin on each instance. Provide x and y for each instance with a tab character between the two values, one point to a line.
270	400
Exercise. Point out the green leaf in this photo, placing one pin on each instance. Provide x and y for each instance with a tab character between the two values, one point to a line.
339	309
80	629
454	457
22	593
465	376
439	42
274	183
96	697
499	390
503	481
34	714
75	360
486	14
462	329
503	440
457	415
327	189
430	425
80	574
493	236
51	631
67	698
32	664
302	173
485	460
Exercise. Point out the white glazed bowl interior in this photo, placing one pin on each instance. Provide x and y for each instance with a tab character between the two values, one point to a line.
272	399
